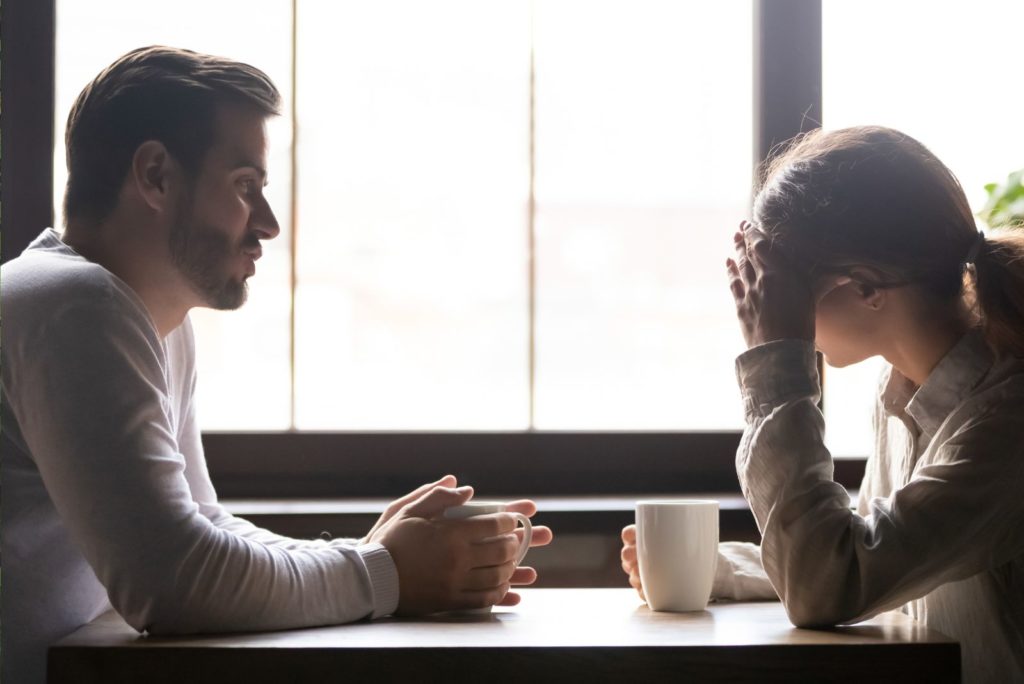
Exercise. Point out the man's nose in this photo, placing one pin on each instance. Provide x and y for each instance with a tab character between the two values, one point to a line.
263	221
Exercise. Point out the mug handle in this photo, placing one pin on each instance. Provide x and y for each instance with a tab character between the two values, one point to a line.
524	546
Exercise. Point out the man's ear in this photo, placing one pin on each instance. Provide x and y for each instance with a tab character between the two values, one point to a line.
153	174
869	295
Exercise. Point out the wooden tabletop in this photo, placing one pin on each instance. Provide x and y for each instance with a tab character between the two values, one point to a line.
554	634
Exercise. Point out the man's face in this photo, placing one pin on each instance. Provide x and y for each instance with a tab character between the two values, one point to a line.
215	239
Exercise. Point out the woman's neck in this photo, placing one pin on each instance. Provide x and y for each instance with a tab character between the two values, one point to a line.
922	338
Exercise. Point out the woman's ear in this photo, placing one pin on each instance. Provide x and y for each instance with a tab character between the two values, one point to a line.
869	295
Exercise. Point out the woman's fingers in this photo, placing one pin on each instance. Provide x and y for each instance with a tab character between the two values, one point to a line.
743	264
634	582
735	281
628	555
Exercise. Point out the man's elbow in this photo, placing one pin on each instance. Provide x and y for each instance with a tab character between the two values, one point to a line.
158	612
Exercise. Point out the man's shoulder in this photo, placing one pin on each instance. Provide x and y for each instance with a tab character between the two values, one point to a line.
44	292
42	277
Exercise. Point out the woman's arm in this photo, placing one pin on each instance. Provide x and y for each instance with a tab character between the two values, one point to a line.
957	516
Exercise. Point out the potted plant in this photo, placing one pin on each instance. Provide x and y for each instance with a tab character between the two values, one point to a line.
1005	206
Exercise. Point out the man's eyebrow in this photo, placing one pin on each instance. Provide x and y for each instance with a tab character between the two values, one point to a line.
247	164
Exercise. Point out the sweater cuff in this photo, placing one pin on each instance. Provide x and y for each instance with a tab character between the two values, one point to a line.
383	578
773	373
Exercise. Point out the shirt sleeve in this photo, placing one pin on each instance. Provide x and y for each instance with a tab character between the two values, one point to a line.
957	516
739	575
94	409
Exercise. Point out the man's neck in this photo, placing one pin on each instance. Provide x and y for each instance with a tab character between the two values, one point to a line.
132	256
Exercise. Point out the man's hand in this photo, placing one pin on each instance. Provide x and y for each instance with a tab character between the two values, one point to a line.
398	504
630	565
773	300
454	564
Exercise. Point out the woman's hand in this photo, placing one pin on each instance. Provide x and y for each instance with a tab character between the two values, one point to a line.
629	562
773	300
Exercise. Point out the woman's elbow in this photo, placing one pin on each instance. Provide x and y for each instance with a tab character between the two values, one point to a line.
810	610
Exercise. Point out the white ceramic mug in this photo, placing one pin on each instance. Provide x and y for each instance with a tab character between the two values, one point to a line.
474	508
677	549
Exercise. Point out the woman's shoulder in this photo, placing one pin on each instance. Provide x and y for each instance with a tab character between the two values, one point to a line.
1002	389
993	412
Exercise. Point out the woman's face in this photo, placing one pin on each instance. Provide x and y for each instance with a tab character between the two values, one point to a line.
846	326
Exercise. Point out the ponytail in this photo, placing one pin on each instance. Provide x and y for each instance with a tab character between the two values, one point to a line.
998	290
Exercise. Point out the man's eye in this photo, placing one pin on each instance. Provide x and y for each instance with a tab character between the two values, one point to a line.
248	185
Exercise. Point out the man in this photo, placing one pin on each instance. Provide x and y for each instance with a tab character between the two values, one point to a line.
106	496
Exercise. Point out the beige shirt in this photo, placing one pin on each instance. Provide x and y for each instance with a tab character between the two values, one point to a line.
939	526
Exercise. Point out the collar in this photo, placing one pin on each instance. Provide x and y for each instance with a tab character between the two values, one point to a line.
952	379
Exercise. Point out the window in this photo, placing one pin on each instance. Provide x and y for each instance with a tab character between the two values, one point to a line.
940	71
506	215
513	215
243	355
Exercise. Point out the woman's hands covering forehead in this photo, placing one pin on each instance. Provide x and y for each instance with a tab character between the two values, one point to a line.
774	300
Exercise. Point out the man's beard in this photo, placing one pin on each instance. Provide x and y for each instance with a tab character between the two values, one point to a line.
200	253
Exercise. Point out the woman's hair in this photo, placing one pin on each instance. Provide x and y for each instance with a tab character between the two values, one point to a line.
152	93
874	197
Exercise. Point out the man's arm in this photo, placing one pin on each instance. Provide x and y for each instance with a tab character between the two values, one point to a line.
92	402
93	405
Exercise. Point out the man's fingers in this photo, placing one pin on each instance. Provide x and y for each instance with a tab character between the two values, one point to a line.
493	551
510	599
629	534
524	575
524	506
482	599
433	503
481	527
446	481
542	535
483	579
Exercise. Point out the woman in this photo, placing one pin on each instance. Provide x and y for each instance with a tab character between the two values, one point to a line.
863	244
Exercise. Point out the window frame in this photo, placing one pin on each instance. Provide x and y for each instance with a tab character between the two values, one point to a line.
787	101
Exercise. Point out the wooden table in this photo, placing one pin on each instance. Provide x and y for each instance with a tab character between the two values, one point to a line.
586	635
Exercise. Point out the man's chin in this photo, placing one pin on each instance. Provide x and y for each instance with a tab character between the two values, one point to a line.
230	297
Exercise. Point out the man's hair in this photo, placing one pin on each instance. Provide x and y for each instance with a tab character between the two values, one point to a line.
153	93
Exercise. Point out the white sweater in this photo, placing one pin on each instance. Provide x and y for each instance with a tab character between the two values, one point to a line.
106	496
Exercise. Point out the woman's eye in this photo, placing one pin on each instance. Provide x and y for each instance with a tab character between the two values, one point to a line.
247	185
